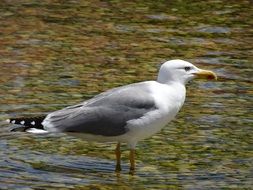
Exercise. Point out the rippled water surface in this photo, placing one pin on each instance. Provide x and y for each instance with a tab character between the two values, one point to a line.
58	53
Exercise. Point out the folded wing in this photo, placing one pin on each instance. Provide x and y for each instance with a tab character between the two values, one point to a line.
106	114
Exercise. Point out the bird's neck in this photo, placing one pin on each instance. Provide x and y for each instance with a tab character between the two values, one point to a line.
169	97
176	84
165	79
178	89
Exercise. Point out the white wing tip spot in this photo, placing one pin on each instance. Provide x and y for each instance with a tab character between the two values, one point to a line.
22	122
33	122
13	121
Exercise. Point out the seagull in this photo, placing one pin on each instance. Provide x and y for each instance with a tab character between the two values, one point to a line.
125	114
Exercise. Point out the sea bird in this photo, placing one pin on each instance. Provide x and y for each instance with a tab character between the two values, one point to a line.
125	114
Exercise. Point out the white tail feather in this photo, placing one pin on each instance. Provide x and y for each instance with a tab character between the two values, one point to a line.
36	131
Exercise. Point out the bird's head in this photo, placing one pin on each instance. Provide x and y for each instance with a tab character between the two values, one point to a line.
182	71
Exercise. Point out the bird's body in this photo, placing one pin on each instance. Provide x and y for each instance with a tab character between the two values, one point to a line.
160	112
125	114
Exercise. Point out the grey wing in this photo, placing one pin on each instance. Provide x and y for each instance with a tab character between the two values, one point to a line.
106	114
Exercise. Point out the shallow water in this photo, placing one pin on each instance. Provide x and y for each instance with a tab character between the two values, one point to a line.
54	54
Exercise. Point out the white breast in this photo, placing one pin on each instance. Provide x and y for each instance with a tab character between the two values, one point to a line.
168	99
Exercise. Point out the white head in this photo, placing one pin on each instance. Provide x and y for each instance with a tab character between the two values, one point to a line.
182	72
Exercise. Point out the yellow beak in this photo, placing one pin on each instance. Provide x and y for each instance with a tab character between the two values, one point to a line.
206	74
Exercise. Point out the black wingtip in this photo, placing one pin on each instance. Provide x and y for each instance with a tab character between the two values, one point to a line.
18	121
26	123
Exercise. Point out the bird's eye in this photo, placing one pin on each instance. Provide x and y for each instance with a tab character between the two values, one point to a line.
187	68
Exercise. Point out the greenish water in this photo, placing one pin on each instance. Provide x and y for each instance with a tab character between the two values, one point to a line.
58	53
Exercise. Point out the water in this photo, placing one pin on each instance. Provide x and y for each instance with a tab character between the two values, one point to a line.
57	53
